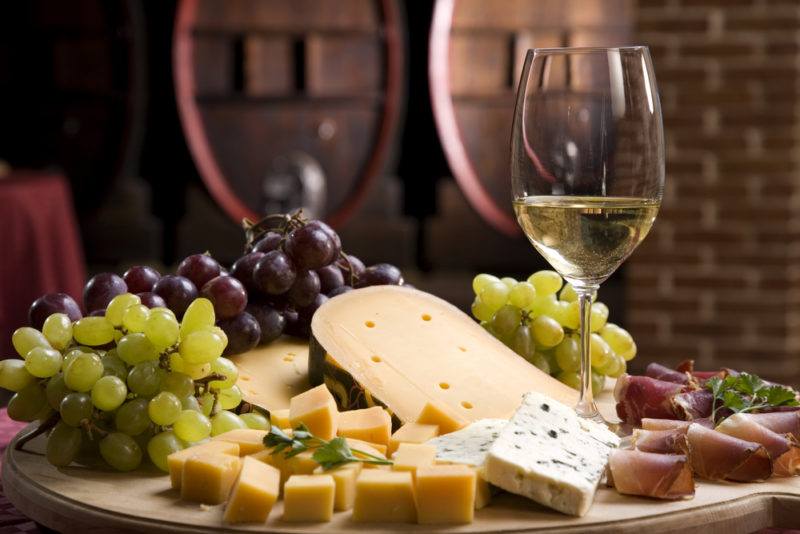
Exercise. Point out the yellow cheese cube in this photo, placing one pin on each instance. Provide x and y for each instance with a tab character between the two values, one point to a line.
176	460
376	449
411	456
250	440
209	476
384	497
316	408
345	479
412	433
254	492
373	425
302	464
280	418
483	491
308	498
445	494
442	416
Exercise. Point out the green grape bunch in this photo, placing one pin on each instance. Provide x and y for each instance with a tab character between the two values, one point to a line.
538	318
136	382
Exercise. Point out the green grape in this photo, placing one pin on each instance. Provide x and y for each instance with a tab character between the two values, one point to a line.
83	371
619	368
542	305
42	362
230	398
109	393
28	403
63	444
540	360
568	354
190	403
116	309
135	318
546	331
255	420
13	375
546	282
202	346
221	333
480	282
225	421
55	391
161	328
93	331
522	295
76	408
26	338
195	371
178	383
572	314
568	293
495	295
506	320
206	402
143	379
136	348
509	282
570	378
619	340
561	313
164	409
481	311
132	418
162	445
227	368
71	355
598	383
198	316
599	316
114	366
599	351
192	426
522	342
57	329
121	451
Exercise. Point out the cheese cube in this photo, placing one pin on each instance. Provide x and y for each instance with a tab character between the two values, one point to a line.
280	418
250	440
309	498
302	464
370	424
376	449
445	494
345	479
209	476
412	456
412	433
483	491
384	497
176	460
442	416
316	408
254	493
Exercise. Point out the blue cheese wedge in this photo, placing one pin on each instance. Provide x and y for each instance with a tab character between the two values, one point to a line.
470	444
549	454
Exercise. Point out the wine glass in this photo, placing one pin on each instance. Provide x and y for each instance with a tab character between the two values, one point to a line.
587	167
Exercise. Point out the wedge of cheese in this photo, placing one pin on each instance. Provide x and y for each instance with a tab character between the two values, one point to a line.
402	348
469	445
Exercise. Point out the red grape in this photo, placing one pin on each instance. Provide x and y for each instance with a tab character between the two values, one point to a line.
243	333
307	312
310	247
270	241
274	273
305	289
141	278
339	290
178	292
151	300
228	295
295	325
199	269
242	269
337	241
98	313
381	274
269	319
99	291
51	303
330	277
357	268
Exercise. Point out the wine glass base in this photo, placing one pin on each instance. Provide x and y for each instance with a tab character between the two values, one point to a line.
588	410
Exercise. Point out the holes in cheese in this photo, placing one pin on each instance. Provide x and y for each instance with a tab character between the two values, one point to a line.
444	385
426	317
376	359
416	356
369	324
316	408
370	424
466	405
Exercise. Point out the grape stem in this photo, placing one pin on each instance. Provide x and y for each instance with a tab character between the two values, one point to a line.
43	427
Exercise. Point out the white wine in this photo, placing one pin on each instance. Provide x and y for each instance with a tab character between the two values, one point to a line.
585	238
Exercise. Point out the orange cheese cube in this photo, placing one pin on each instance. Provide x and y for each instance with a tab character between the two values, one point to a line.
373	425
344	477
208	477
442	416
411	456
483	491
377	449
176	460
280	418
412	433
249	440
254	493
445	494
384	497
308	498
316	408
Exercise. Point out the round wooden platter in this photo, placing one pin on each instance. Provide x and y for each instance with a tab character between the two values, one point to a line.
93	499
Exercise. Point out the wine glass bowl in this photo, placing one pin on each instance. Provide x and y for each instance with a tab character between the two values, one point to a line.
587	166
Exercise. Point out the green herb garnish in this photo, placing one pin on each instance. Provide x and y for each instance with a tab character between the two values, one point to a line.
328	454
748	393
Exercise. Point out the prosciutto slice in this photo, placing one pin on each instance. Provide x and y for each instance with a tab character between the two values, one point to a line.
669	441
642	396
662	372
778	429
717	456
661	476
694	404
740	426
780	422
664	424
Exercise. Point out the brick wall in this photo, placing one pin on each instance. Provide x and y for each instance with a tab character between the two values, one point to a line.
718	279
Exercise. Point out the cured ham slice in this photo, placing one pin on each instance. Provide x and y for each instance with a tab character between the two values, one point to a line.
662	372
642	396
664	424
661	476
669	441
740	426
692	405
780	422
717	456
784	425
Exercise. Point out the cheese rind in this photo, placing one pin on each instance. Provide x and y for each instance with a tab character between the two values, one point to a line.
308	498
316	408
445	494
250	440
373	425
412	433
254	493
176	460
549	454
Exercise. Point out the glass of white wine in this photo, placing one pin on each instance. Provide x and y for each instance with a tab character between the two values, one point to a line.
587	167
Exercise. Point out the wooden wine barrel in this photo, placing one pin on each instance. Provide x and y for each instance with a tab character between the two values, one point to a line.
263	85
476	53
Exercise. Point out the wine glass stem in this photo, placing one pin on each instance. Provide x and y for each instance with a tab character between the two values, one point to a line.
586	406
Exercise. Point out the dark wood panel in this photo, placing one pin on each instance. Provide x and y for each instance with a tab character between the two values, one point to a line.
343	65
213	65
268	66
280	14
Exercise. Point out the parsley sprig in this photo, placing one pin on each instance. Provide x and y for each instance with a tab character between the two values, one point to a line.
328	454
746	392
